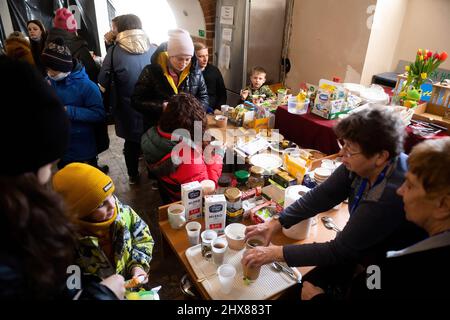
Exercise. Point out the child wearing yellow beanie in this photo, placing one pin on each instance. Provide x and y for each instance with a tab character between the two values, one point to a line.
113	238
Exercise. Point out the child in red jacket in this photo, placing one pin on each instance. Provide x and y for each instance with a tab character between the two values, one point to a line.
172	153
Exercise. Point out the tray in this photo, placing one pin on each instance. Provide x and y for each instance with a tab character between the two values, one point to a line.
268	284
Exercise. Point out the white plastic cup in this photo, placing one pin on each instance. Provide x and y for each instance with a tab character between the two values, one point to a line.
226	273
219	246
176	216
193	231
224	108
207	237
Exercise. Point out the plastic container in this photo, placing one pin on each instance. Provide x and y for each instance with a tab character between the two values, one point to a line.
297	107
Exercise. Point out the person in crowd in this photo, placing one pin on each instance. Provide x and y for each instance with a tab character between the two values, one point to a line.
18	47
419	271
373	168
214	81
113	239
174	157
81	98
257	86
65	27
37	240
173	69
110	36
38	36
126	59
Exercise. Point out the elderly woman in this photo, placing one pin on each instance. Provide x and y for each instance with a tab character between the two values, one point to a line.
171	153
419	271
373	168
126	59
173	70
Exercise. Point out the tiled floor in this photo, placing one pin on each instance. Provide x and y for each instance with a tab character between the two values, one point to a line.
166	270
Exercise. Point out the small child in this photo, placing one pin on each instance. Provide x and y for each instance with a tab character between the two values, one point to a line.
113	239
257	90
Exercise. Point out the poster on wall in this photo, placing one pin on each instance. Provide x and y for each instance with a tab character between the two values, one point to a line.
227	15
227	34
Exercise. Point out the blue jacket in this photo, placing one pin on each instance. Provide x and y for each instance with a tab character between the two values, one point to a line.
132	53
84	106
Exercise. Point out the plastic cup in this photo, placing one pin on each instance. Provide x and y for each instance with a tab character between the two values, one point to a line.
219	246
207	237
176	216
193	231
252	273
226	273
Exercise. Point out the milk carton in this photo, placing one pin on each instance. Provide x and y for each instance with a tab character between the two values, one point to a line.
215	212
191	197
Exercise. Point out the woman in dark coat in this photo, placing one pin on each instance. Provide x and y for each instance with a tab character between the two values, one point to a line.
37	35
173	70
130	54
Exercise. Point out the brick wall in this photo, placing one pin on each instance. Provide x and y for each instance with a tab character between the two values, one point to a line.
209	11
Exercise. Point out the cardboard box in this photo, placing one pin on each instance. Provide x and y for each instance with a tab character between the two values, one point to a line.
191	198
215	212
437	110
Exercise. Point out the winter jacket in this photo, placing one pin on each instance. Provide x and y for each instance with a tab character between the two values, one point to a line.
79	49
263	90
132	53
164	155
83	102
132	243
153	87
217	92
37	46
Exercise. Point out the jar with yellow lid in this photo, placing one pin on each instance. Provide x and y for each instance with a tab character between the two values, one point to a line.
234	205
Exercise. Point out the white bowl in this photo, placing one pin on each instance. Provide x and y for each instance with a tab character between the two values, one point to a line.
235	234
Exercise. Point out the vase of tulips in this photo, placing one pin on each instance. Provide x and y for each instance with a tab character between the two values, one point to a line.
417	73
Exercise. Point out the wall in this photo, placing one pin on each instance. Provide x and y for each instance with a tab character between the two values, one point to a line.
188	15
386	29
426	26
329	38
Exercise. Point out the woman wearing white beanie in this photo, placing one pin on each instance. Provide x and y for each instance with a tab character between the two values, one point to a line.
173	69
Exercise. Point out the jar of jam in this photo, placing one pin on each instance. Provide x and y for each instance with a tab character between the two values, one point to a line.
256	178
234	205
241	178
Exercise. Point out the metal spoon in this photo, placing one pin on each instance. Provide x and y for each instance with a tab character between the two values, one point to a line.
279	267
329	224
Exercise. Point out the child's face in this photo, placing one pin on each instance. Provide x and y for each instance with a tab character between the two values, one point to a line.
258	80
104	212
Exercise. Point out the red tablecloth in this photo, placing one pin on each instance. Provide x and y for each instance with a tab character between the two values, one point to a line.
412	139
313	132
307	130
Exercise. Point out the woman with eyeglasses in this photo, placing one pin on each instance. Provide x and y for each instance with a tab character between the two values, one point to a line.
373	168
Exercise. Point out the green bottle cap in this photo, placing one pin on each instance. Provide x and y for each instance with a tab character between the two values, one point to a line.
242	176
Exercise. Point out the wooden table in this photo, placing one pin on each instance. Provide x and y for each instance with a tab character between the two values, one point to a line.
178	241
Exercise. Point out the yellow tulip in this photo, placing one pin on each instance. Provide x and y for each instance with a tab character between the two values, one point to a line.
421	58
407	68
423	75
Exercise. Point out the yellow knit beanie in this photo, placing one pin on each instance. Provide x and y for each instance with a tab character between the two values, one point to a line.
83	188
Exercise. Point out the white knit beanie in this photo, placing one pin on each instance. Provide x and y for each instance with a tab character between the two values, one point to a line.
180	43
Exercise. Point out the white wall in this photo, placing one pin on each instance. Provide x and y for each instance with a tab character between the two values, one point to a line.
427	26
329	38
6	18
103	23
386	28
189	15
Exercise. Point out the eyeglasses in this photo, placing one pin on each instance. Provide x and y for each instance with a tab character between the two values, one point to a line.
343	146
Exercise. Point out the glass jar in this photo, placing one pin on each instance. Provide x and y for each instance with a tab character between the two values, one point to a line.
234	205
223	183
256	178
241	178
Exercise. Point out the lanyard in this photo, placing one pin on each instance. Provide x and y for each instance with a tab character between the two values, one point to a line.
362	187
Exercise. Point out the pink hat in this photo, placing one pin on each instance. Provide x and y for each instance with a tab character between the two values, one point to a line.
180	43
65	20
